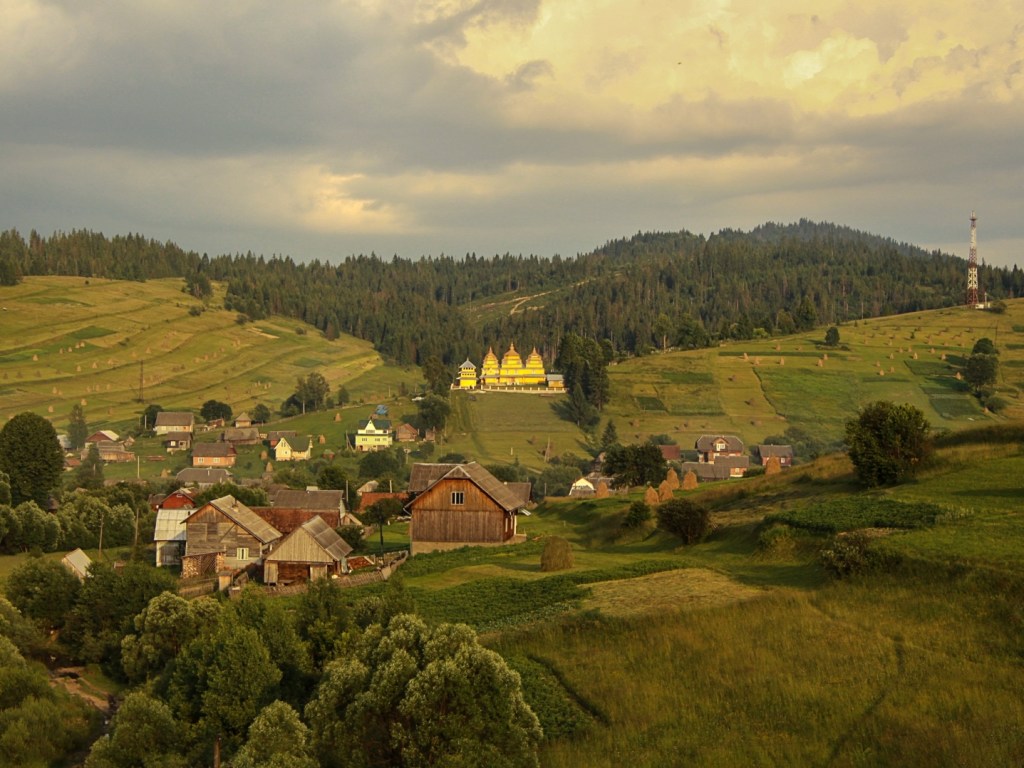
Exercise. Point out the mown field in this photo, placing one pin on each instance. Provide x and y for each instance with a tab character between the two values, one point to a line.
758	388
67	340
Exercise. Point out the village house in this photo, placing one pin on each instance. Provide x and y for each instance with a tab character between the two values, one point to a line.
784	453
711	447
177	441
113	452
241	436
290	508
174	421
225	535
293	449
312	551
180	498
275	435
202	477
213	455
373	434
406	433
101	436
243	420
456	505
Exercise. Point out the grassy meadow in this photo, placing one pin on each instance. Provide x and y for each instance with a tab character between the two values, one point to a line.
741	650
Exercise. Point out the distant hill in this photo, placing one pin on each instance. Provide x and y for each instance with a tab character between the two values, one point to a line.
640	293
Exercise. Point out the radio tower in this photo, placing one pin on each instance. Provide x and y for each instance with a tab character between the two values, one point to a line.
972	265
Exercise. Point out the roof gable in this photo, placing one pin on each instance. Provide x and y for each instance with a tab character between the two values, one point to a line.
242	516
313	541
174	419
500	493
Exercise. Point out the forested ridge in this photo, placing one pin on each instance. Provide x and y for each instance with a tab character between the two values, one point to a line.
649	290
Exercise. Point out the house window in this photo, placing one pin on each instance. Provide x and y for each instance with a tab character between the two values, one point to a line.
242	553
458	498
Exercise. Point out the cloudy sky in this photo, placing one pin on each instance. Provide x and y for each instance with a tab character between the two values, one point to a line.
325	129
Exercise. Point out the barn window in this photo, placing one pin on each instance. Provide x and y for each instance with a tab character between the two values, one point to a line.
242	553
458	497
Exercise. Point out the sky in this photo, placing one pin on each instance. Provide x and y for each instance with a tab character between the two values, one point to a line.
327	129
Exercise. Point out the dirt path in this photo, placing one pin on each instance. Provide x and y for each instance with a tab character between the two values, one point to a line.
70	679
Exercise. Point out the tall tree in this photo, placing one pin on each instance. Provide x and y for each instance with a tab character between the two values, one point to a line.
31	456
312	391
437	375
78	428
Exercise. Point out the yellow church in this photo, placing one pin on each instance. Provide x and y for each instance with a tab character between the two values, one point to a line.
511	372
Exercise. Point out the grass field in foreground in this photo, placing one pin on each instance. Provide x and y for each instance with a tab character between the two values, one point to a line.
725	654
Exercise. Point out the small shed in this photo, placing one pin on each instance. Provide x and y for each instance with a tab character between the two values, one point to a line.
77	562
312	551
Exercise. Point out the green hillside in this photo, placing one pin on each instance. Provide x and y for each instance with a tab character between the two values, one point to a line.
72	340
69	340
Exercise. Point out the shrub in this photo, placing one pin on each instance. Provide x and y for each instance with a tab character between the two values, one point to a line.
776	540
637	514
684	518
996	403
557	555
847	555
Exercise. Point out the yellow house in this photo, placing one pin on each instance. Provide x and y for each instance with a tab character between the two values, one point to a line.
293	449
373	434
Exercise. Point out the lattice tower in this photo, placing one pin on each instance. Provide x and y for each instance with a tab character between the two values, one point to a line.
972	265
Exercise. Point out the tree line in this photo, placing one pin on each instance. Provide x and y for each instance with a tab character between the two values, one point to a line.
639	293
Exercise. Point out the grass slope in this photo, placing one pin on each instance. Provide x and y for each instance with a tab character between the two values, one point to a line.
68	340
729	653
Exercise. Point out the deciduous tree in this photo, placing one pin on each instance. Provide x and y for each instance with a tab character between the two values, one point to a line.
683	518
409	696
887	442
31	456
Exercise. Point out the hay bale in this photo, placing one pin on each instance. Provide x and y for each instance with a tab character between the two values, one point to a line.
664	491
782	361
672	479
35	358
602	491
337	417
556	555
773	466
650	496
689	480
821	364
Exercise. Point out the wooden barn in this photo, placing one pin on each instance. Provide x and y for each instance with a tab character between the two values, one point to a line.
457	505
224	534
312	551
